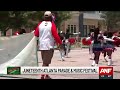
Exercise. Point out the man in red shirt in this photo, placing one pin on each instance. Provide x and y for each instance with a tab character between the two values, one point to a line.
47	33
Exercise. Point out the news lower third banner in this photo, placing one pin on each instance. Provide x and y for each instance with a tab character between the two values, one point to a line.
103	72
52	70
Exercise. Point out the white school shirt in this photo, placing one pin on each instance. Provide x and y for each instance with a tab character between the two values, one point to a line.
46	40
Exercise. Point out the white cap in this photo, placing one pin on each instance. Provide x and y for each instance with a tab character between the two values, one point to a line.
47	14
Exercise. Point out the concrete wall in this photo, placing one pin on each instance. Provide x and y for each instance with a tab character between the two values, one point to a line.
73	21
88	19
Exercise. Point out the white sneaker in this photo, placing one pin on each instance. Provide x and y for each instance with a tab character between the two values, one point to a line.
110	62
106	58
93	63
91	56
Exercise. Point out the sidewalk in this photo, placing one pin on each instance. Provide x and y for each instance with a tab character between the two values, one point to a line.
77	58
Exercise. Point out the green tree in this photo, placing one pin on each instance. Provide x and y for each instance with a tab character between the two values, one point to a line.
62	16
112	19
34	17
4	21
17	19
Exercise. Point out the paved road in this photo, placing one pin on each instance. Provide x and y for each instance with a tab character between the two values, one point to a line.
80	58
12	46
77	58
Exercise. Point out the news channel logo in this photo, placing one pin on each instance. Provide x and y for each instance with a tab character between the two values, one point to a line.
13	70
105	72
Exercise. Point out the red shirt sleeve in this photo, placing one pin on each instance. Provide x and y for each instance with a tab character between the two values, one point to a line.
55	34
36	33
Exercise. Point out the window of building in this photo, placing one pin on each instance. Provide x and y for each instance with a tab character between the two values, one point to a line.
74	28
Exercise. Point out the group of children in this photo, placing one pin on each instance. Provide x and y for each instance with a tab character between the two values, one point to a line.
101	43
67	42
